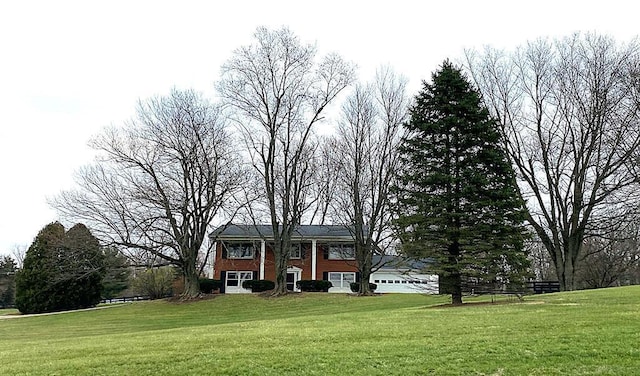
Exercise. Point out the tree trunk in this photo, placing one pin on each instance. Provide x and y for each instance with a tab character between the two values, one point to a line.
565	268
364	267
568	276
365	290
191	281
280	288
456	289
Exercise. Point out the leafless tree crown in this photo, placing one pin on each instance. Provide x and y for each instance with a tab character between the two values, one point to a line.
277	92
570	111
159	181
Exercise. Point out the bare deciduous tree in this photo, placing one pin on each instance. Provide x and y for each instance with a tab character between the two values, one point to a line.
278	93
611	260
571	115
160	181
18	252
366	160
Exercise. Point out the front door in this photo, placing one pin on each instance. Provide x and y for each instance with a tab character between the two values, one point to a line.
293	276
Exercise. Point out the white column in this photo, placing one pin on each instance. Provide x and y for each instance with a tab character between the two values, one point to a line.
314	255
213	260
263	251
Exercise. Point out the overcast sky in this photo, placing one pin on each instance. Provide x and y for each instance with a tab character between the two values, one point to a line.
69	68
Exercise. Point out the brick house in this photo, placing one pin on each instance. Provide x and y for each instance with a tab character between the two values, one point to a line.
319	252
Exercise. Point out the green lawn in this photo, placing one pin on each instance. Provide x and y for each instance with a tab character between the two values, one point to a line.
578	333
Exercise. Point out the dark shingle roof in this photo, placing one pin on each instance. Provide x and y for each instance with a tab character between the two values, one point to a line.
265	231
395	262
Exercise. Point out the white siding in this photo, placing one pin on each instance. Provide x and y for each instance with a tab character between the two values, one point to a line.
389	281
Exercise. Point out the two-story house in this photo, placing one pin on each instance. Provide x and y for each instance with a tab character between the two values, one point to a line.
319	252
243	252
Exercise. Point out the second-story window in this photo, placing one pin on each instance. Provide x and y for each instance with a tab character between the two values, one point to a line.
296	251
240	250
341	252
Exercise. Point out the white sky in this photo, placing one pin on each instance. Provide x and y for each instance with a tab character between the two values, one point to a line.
69	68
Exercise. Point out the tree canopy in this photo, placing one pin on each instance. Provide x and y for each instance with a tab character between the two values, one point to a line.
570	110
457	198
61	271
159	182
277	93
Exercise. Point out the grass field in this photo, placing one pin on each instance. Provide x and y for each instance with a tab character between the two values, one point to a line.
579	333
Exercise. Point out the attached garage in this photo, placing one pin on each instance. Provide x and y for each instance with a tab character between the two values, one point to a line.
390	281
397	275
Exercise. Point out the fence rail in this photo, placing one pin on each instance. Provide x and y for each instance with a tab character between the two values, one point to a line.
125	299
543	287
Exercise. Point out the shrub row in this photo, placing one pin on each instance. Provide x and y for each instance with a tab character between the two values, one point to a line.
258	285
314	285
207	286
355	286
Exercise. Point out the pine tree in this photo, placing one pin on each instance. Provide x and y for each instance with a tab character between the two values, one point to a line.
61	271
458	202
33	281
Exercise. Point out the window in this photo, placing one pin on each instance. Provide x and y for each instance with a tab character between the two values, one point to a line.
341	280
235	278
240	250
341	252
296	251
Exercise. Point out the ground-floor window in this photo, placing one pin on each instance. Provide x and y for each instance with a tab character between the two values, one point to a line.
235	279
342	279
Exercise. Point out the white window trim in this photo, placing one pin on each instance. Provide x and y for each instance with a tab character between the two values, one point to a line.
343	282
237	274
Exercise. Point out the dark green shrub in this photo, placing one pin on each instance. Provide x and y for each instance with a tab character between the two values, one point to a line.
355	286
207	285
8	270
258	285
61	271
309	285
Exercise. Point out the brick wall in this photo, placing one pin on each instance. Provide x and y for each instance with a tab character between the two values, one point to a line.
323	263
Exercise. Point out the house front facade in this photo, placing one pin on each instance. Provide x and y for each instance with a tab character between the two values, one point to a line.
319	252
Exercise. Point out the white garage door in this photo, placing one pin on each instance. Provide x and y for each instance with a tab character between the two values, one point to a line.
396	282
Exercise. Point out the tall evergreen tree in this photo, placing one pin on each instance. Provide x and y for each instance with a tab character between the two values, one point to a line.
61	271
33	281
458	202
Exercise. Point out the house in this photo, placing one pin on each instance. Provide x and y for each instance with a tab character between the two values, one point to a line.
319	252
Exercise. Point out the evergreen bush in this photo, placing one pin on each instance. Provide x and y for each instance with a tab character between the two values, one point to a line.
61	271
309	285
258	285
207	285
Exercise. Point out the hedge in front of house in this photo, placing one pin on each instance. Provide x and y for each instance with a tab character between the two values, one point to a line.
309	285
355	286
258	285
207	285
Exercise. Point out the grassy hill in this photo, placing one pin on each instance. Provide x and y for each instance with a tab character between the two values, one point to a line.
578	333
